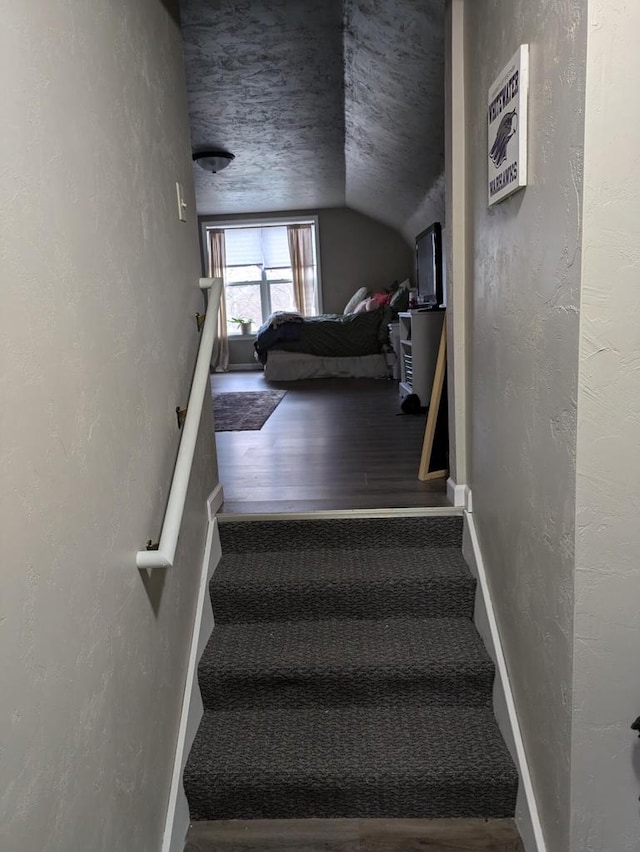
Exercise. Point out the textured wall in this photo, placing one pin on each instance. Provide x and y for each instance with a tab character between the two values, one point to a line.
266	83
97	346
431	209
323	104
606	754
394	109
524	358
355	251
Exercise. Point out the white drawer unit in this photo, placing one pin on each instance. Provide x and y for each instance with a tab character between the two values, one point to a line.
419	341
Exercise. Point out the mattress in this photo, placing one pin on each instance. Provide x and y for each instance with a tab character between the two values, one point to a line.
293	366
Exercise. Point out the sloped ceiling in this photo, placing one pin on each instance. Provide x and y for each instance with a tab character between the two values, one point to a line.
323	102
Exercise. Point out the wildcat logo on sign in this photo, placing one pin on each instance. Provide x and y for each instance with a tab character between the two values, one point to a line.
507	121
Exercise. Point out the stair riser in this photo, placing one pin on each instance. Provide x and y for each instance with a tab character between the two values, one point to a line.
262	536
420	600
366	800
235	694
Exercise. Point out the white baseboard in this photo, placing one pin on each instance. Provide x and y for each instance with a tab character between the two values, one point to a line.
527	815
455	493
459	494
177	819
215	501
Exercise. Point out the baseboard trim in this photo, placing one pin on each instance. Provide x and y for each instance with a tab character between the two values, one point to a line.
459	494
177	818
527	815
456	494
215	501
244	368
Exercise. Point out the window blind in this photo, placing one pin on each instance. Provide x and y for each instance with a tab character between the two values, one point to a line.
266	247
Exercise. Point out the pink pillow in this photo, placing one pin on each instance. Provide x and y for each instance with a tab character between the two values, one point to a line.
382	298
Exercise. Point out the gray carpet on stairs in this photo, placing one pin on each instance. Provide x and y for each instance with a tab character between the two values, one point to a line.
345	678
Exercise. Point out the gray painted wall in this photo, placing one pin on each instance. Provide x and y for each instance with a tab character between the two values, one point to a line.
355	251
523	360
97	346
606	754
431	209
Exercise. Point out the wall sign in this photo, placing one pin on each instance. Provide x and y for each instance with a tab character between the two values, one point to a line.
507	122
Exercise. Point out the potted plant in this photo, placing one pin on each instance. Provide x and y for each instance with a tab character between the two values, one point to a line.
244	324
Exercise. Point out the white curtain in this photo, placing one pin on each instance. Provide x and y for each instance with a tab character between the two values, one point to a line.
217	263
303	268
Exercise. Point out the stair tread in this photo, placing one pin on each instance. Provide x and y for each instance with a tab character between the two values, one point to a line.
320	568
433	760
363	584
443	742
403	646
345	662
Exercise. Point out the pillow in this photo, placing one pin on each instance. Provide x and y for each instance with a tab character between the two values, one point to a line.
355	300
382	298
400	300
366	305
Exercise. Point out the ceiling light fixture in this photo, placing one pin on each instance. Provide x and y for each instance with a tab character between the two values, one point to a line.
213	161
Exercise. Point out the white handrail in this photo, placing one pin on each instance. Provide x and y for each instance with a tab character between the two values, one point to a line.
163	557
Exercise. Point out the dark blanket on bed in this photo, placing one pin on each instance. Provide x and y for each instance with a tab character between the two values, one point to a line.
329	335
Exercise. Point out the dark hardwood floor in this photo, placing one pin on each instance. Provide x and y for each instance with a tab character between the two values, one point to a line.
331	444
353	835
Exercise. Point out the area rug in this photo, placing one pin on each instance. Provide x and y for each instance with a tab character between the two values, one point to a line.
244	411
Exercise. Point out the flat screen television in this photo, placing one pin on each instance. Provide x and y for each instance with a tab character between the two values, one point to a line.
429	266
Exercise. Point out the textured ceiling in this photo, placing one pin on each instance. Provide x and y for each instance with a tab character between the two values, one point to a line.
394	104
323	102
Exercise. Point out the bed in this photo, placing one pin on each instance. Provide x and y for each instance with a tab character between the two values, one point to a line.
353	344
350	345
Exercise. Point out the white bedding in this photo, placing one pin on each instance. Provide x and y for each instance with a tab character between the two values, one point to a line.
293	366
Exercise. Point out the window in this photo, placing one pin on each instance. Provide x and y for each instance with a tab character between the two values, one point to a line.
258	275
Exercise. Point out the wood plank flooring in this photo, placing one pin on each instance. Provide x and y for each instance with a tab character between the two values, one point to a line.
331	444
353	835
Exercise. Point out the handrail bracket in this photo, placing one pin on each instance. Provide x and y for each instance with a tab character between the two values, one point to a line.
181	414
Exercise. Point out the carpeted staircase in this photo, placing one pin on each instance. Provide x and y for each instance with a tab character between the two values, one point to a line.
345	678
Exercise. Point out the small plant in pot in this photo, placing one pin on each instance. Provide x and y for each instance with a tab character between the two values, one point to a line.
244	324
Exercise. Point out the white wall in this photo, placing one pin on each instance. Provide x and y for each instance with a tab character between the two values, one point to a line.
605	753
97	347
523	359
